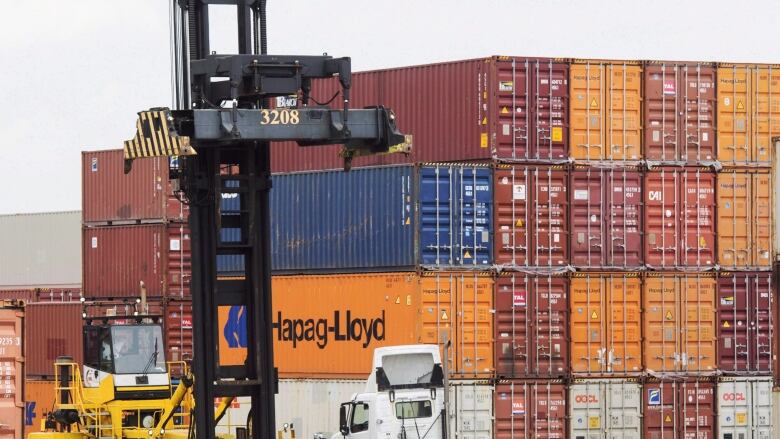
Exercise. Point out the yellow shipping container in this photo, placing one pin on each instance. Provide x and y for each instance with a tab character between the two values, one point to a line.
744	219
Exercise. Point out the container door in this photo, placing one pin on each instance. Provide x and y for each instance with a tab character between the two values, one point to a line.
474	326
624	117
761	321
550	110
762	219
624	410
696	409
510	115
623	243
514	415
733	327
733	147
587	87
766	111
661	412
472	406
550	326
662	218
513	216
734	410
437	296
662	83
550	202
698	219
697	310
587	410
624	334
762	408
588	325
513	325
473	210
697	124
734	220
437	237
662	324
548	402
587	221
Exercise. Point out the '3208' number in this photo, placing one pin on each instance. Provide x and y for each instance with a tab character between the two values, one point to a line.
280	117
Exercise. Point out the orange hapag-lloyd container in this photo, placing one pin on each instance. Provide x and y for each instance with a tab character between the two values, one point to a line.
606	338
327	326
748	113
679	323
744	219
606	110
38	400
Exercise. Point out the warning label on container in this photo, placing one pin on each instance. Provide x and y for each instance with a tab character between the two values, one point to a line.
483	141
669	315
518	192
741	418
670	87
594	422
580	194
504	110
594	103
594	315
740	105
726	324
557	134
506	85
668	418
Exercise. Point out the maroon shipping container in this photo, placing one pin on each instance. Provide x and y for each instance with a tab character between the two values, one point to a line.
178	329
680	218
679	112
58	294
679	410
51	330
505	108
606	218
531	325
109	196
531	206
118	258
27	295
530	409
745	323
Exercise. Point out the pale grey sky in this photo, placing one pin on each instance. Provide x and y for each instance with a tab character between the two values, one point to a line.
76	72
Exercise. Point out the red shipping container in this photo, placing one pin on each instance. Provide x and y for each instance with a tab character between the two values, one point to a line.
118	258
28	295
12	407
679	409
745	324
531	214
58	294
679	112
178	329
606	218
680	218
530	409
504	108
109	196
51	330
531	324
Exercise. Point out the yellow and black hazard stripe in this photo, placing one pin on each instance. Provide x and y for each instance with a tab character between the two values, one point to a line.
154	138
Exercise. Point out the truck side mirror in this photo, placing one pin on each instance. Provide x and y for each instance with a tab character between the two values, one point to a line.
343	424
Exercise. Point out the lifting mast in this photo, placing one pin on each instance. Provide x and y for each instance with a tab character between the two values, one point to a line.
221	130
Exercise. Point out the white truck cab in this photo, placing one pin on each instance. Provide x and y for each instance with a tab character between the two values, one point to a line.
403	399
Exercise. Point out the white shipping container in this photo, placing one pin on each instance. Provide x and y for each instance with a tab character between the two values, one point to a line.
745	408
613	405
471	409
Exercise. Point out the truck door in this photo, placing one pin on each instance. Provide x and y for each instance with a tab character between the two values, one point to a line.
358	420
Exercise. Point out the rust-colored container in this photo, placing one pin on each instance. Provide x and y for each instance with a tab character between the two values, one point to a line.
680	218
748	113
503	108
683	409
744	219
679	112
27	295
532	326
745	323
606	335
12	360
51	330
606	218
606	113
531	214
109	196
679	323
58	294
530	409
38	400
178	329
118	258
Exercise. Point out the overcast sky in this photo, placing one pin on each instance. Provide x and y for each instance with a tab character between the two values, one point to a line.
74	73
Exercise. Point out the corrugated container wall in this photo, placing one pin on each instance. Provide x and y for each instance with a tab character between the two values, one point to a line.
118	258
744	219
40	250
679	113
606	114
748	113
178	329
606	218
680	219
51	330
109	196
745	323
471	407
530	409
596	406
531	216
745	408
502	108
532	326
38	400
312	406
679	409
12	361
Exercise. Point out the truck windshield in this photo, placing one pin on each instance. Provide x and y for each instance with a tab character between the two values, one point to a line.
405	369
138	349
413	409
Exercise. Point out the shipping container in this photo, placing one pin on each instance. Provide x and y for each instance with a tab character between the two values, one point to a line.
530	409
118	258
679	112
503	108
27	295
606	113
12	362
600	406
471	409
745	408
380	218
606	218
606	315
680	409
748	113
745	323
40	250
109	196
531	216
51	330
744	219
679	323
38	400
178	329
531	325
680	219
58	294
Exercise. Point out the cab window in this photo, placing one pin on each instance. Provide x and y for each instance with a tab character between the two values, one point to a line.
359	418
413	409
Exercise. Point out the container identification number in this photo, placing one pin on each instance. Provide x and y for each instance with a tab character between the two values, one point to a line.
280	117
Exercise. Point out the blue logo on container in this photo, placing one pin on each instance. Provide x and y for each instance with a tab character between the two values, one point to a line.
29	413
654	397
235	327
